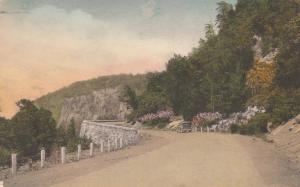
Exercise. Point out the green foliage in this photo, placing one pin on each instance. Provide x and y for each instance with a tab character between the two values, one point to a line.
5	155
61	137
256	126
155	98
130	97
234	129
72	137
159	123
85	142
34	128
4	132
31	129
283	105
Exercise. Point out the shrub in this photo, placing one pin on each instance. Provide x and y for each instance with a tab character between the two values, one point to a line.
161	115
247	130
256	126
234	128
160	123
4	157
84	142
206	118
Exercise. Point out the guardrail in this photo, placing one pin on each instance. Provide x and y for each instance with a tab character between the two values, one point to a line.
62	156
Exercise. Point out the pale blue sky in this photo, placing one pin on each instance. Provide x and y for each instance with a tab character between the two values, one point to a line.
149	17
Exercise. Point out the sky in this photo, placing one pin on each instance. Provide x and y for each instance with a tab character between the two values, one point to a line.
48	44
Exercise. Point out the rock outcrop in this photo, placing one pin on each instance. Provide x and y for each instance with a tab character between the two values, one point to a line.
104	104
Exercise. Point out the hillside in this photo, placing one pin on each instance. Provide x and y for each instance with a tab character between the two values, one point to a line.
89	90
286	138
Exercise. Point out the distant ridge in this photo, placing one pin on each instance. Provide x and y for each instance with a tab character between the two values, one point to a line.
55	100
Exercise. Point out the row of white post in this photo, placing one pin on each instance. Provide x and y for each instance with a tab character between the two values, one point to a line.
110	148
201	129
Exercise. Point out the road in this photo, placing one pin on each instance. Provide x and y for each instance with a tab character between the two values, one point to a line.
188	160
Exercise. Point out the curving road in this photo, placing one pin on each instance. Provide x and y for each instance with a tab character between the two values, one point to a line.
189	160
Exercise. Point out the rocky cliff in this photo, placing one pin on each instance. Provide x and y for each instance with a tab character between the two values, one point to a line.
92	99
103	104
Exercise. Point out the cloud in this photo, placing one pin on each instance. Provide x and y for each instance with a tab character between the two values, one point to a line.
148	8
50	48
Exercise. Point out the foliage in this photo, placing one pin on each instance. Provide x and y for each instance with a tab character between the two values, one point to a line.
256	126
84	142
261	76
151	102
202	119
71	135
130	97
159	119
5	155
32	129
283	105
159	123
4	142
234	128
159	115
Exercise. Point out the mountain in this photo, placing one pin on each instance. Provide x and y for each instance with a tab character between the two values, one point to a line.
93	99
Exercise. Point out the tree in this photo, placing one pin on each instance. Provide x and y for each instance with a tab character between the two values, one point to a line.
130	97
71	136
288	59
31	129
224	10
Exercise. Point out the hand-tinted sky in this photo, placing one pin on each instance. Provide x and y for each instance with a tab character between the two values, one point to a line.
57	42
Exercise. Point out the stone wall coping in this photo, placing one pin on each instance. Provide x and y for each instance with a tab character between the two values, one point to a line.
95	123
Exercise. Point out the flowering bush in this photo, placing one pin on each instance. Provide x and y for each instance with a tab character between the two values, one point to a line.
157	116
202	118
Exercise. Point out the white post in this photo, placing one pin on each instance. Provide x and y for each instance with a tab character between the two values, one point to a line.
91	149
1	184
43	156
201	130
101	146
14	164
116	143
78	152
207	129
63	155
108	145
121	143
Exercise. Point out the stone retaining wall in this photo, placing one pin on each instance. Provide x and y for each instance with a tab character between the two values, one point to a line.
99	131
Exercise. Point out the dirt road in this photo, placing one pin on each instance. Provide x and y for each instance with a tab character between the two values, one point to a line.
172	159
